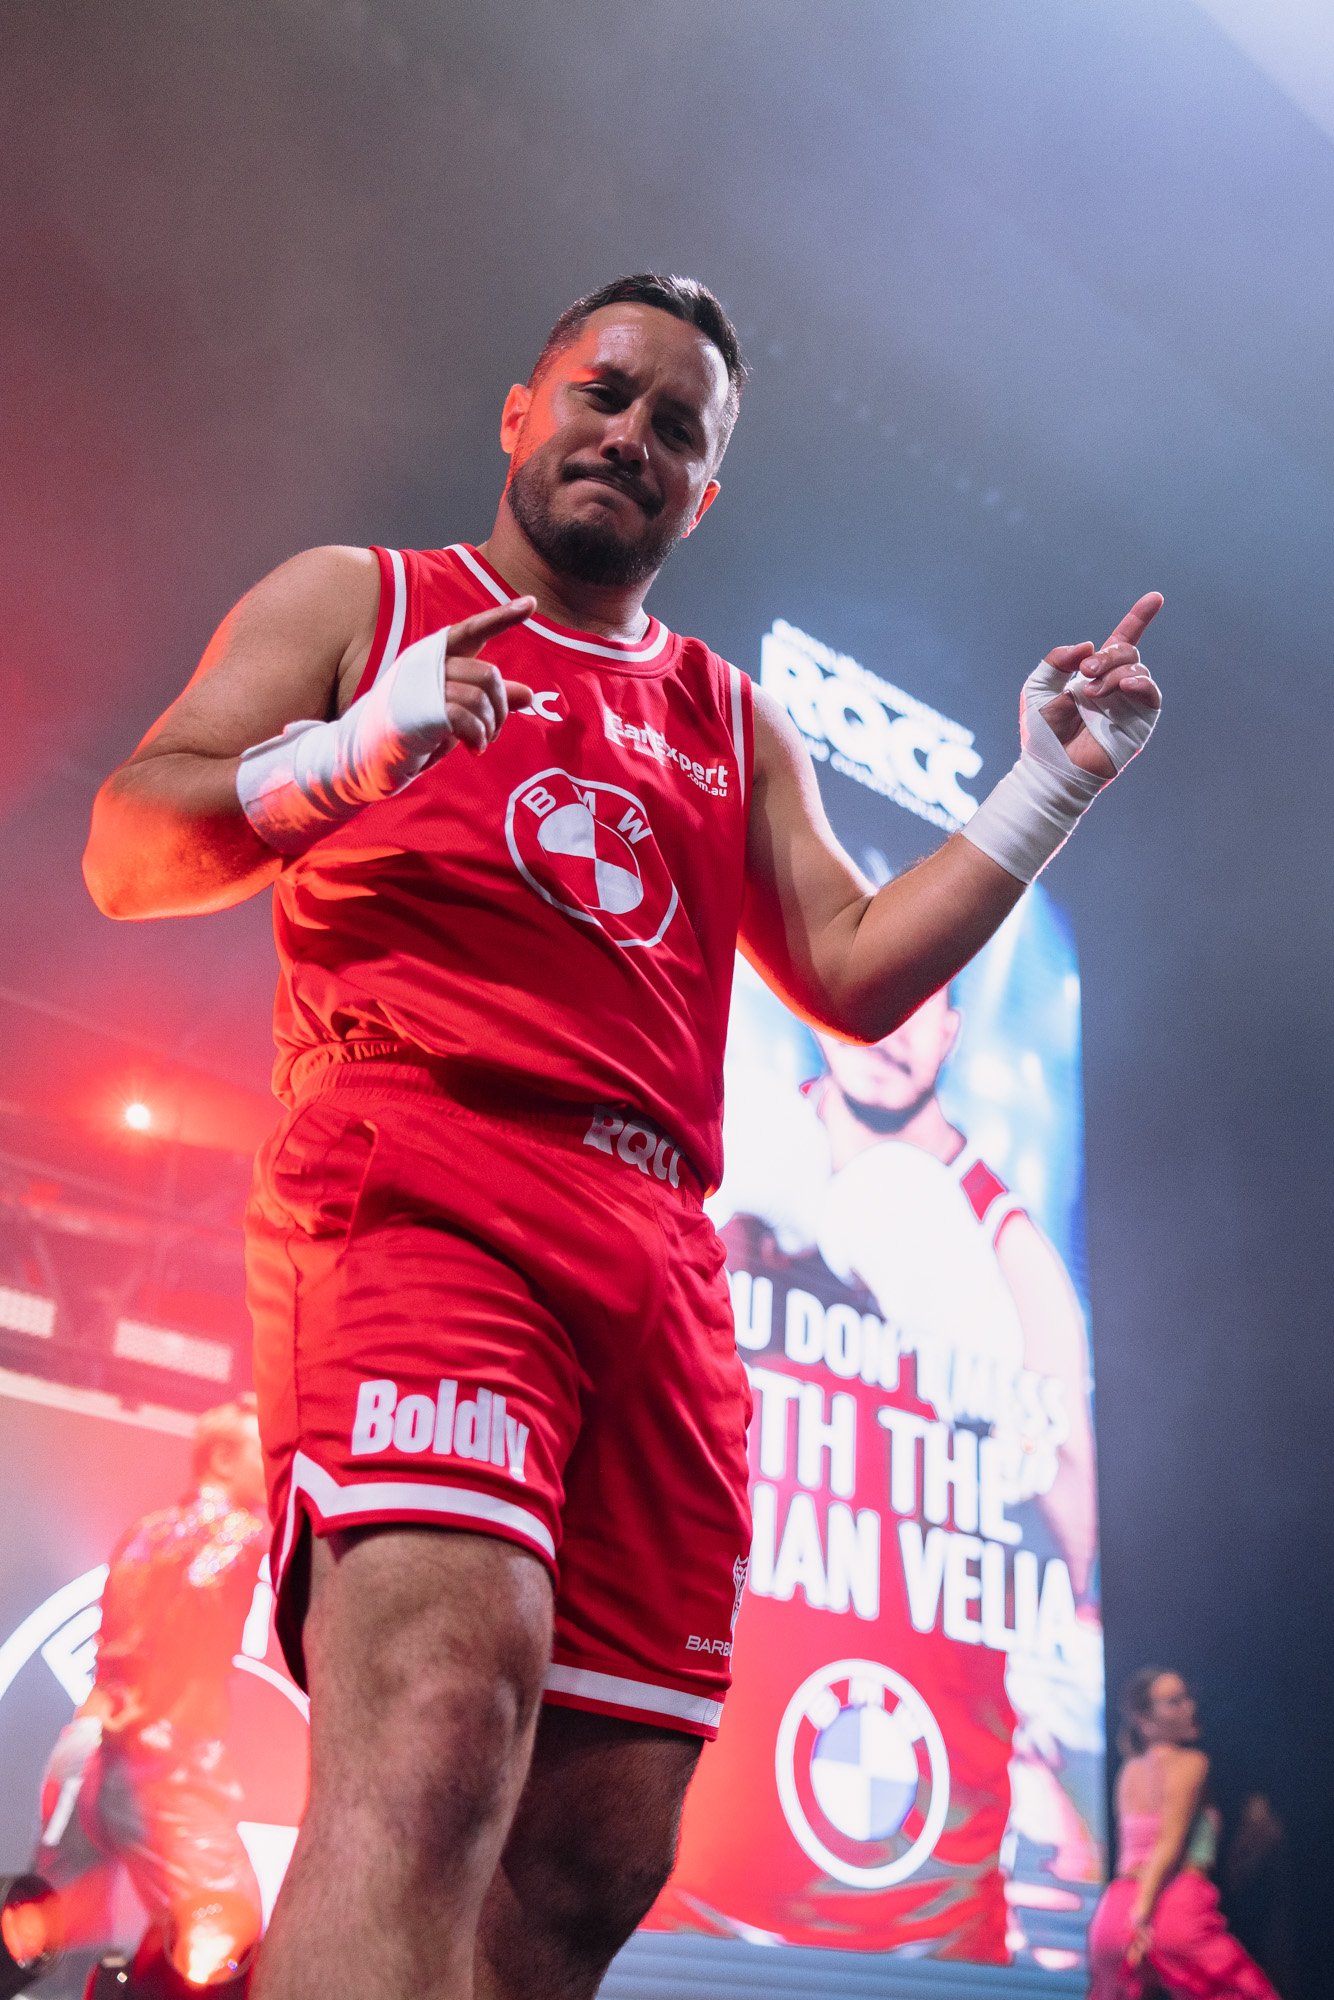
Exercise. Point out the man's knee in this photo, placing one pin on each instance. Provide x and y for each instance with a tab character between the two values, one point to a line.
594	1840
426	1653
593	1892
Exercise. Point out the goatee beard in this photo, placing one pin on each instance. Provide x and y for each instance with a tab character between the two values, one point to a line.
582	549
880	1119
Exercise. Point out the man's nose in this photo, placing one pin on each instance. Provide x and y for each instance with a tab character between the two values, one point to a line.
625	438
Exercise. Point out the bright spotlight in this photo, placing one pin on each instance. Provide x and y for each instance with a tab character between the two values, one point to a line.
212	1955
138	1116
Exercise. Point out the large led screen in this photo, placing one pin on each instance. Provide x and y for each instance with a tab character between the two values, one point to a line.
911	1760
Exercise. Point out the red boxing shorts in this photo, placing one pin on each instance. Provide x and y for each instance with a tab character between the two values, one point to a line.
487	1314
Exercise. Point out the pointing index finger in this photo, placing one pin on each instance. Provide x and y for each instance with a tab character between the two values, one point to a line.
470	633
1137	620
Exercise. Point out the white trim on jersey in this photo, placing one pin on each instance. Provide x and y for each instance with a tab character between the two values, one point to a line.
617	1692
739	728
395	1497
635	654
394	637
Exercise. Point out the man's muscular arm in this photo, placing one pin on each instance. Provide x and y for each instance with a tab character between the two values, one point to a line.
169	837
858	961
852	959
267	749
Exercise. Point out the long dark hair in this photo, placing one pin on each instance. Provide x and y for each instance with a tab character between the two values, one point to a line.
1136	1706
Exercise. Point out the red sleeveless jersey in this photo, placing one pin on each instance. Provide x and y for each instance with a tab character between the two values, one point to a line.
560	912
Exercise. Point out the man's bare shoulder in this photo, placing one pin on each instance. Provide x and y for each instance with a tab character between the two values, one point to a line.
297	641
776	734
332	580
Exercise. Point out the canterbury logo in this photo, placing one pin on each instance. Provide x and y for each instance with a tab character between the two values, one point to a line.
544	706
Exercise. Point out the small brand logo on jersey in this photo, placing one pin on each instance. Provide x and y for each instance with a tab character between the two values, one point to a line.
638	1145
694	1644
650	742
447	1426
544	706
587	848
862	1772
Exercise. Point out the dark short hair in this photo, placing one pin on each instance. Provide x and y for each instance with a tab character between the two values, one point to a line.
684	298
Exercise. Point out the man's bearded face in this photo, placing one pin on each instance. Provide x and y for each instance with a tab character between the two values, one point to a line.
617	447
612	544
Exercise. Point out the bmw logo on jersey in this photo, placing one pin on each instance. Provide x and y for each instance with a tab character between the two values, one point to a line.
587	847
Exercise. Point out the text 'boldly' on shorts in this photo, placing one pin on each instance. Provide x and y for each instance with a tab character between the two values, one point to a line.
477	1427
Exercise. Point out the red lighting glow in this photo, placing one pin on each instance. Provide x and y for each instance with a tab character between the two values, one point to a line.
23	1929
138	1116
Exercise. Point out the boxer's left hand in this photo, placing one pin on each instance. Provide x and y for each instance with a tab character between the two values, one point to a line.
1083	714
1111	682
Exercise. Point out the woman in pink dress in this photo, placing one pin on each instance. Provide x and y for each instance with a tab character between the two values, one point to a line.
1158	1928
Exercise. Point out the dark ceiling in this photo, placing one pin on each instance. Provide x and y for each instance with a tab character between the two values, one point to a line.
1040	301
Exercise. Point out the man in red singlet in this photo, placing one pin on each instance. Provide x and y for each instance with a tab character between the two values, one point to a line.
503	1411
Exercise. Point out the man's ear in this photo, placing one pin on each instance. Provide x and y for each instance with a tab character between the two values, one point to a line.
706	500
517	405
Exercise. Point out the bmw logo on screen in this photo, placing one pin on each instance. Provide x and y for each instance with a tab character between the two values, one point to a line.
862	1774
63	1630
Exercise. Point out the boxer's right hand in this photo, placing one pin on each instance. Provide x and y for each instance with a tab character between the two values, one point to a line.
438	692
477	697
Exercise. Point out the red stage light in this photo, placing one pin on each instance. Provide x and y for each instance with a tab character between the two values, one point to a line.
212	1956
24	1932
138	1116
30	1931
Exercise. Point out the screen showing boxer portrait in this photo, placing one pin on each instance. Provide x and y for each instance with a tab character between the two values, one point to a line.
911	1758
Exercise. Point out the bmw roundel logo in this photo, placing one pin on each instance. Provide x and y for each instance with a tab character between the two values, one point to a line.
863	1776
587	848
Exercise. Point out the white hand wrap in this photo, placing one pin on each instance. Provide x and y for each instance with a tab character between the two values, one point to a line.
296	786
1034	808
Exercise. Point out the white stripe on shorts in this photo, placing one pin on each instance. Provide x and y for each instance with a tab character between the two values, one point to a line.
644	1695
396	1497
